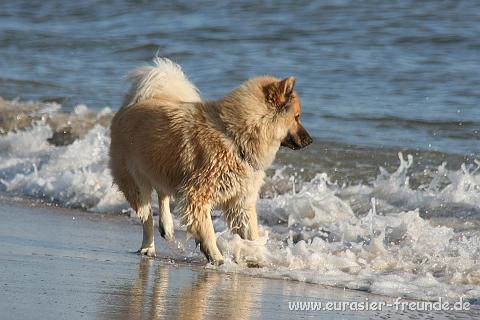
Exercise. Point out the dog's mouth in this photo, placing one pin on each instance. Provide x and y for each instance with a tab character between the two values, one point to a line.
297	141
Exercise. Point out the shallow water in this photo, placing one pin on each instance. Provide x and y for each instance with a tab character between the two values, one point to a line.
375	80
85	270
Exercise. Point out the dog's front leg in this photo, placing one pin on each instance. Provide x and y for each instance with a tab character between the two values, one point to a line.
202	229
241	215
199	224
252	224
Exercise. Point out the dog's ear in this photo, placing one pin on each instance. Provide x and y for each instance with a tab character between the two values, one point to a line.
286	86
279	92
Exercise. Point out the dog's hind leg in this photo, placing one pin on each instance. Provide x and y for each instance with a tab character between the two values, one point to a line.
144	212
139	198
165	221
148	243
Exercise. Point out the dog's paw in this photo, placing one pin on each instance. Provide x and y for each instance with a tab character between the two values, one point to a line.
166	232
249	262
213	256
217	263
149	251
253	264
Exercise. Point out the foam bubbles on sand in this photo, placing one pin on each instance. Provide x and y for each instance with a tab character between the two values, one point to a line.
380	237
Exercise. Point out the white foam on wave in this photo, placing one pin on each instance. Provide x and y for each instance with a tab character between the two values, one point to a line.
463	187
76	175
311	235
396	254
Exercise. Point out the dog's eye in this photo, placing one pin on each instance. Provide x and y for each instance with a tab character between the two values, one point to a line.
297	117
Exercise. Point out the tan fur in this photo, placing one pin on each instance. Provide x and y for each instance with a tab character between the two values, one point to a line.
206	154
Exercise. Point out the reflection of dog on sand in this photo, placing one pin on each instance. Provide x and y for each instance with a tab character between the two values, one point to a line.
206	154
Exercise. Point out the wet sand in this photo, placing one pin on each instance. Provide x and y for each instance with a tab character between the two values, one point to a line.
68	264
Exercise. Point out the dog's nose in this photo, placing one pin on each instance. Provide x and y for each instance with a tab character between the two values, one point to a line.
304	137
308	141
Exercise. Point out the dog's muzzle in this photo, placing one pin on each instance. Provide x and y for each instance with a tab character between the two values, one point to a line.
298	140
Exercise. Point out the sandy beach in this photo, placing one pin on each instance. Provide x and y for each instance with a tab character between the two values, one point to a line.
60	263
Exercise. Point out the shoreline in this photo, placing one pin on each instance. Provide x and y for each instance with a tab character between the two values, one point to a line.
61	263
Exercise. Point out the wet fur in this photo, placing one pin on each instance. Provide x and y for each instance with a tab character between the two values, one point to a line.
206	154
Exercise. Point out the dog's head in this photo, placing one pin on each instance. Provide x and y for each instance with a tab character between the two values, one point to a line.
284	102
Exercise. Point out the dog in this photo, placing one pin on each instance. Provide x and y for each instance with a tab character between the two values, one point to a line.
206	154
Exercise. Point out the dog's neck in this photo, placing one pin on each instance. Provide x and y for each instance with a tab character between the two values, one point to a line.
249	135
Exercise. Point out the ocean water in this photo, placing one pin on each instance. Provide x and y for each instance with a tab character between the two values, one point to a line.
386	200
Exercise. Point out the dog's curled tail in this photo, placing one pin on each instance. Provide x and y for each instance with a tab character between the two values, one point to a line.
164	79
